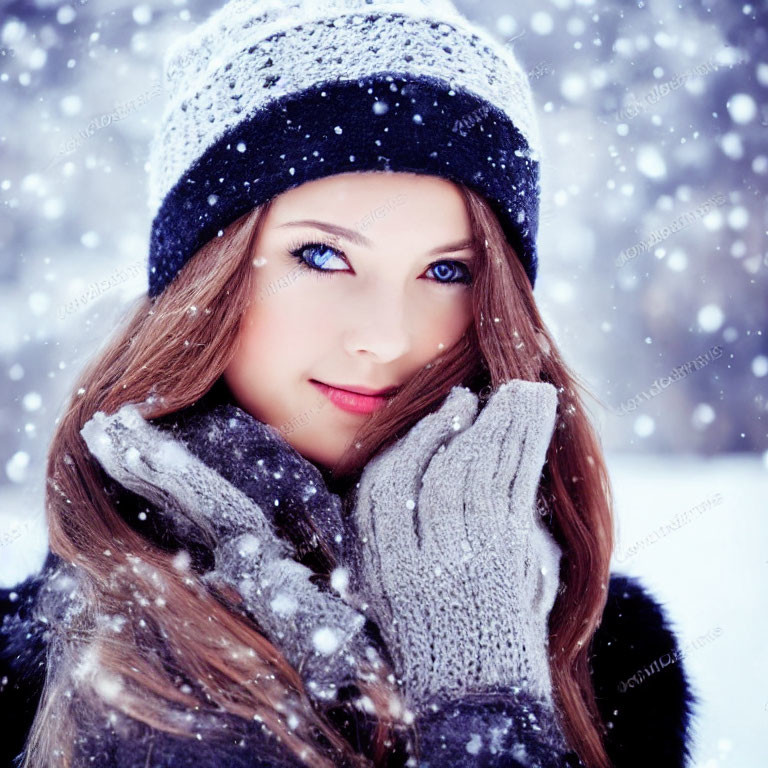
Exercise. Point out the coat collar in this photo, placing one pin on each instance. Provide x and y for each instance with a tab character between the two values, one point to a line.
255	458
641	685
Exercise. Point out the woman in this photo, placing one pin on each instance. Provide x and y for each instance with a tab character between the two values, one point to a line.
253	565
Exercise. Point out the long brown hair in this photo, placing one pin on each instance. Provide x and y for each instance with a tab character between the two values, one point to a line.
167	354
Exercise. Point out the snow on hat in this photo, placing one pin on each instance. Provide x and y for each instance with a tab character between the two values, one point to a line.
268	94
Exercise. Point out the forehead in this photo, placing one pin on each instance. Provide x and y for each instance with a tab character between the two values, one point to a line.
376	205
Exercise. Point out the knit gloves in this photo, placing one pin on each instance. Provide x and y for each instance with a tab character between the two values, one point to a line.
458	568
318	632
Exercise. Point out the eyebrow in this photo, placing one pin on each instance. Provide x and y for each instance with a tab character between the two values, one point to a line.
359	239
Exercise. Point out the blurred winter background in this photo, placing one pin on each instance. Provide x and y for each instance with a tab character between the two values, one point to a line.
654	276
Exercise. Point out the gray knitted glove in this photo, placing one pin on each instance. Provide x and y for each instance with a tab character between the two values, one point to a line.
319	633
458	568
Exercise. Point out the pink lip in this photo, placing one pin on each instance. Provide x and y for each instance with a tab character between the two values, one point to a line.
361	390
353	402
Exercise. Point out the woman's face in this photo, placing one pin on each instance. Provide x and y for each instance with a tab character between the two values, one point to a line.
391	292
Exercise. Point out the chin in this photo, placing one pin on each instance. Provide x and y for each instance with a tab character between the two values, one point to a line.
327	456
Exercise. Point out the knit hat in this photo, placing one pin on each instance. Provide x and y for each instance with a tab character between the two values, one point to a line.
269	94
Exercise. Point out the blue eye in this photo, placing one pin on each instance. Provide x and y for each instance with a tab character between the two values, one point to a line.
313	256
311	264
440	270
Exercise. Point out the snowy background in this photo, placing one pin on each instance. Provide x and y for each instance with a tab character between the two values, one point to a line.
654	264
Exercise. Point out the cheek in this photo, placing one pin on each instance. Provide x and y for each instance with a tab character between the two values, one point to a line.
279	332
445	322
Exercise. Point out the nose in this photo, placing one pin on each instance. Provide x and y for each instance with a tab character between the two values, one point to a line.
379	325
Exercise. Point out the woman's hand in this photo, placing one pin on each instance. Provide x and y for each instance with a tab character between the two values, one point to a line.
320	634
456	563
180	469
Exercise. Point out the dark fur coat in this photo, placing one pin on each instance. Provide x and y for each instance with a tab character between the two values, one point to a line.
643	693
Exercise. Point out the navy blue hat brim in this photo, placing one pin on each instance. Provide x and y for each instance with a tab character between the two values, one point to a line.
383	122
